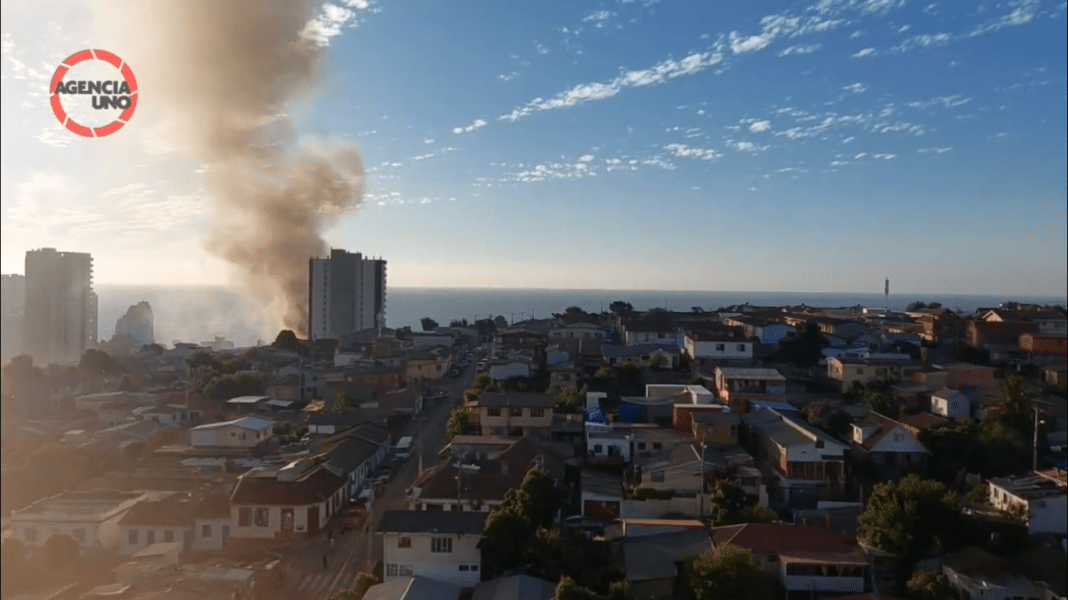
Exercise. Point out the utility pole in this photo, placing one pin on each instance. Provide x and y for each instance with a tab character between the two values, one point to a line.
1034	445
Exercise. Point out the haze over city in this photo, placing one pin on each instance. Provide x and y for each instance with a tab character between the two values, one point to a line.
806	146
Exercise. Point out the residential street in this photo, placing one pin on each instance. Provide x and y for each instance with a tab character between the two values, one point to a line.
348	556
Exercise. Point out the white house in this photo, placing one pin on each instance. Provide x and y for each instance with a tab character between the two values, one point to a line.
245	432
288	504
605	444
977	573
167	415
91	517
1042	496
354	458
503	370
951	404
718	345
439	545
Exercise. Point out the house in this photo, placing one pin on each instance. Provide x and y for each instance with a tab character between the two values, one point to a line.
509	368
642	355
739	386
1044	344
1042	497
580	339
652	562
113	414
247	403
601	495
167	415
803	461
976	573
951	404
765	329
440	546
847	371
806	559
515	413
1056	377
515	587
479	484
887	447
563	376
678	468
1047	321
922	421
199	524
354	458
722	344
429	364
984	334
245	432
720	427
286	504
641	332
90	517
412	588
608	443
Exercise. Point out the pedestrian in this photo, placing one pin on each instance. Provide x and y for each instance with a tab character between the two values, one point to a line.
325	564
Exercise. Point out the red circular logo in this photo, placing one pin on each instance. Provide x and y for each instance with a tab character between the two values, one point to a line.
125	97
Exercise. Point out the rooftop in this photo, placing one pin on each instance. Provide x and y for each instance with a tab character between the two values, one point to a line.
90	505
251	423
1044	484
516	399
750	373
432	521
515	587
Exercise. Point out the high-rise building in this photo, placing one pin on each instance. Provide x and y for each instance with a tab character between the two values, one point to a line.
137	323
60	314
12	305
347	293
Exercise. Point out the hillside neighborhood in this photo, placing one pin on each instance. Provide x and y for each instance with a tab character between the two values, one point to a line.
741	452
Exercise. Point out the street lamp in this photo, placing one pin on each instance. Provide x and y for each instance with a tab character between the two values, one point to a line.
1034	443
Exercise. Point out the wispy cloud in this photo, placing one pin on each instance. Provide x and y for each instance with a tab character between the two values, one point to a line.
333	19
468	129
685	151
856	88
865	53
745	44
587	92
599	18
934	150
760	126
923	41
1023	12
799	50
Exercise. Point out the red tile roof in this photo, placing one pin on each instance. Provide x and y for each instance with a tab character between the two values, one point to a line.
779	538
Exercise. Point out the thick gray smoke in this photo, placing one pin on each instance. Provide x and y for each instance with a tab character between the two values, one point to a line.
219	76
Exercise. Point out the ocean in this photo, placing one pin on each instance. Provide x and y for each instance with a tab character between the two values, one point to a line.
199	313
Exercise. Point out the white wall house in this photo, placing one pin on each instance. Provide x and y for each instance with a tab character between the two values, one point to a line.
91	517
706	346
978	574
245	432
508	369
439	545
603	442
1041	496
951	404
291	503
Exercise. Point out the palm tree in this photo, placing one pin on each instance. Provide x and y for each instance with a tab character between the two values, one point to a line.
1014	400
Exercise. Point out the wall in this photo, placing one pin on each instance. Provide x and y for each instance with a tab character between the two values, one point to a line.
438	566
228	436
713	349
509	370
506	421
819	583
126	547
216	540
1049	515
631	508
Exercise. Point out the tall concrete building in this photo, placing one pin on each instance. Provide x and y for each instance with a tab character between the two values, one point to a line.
12	306
60	314
347	293
137	323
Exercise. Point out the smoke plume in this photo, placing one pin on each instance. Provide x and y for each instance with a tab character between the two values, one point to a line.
219	78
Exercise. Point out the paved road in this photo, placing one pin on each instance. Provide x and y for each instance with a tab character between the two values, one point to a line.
347	555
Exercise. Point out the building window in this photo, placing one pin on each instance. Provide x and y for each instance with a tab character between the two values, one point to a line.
741	347
465	568
287	519
658	477
133	536
721	347
205	531
168	535
860	371
244	517
405	570
441	545
515	412
404	542
391	570
263	517
493	411
597	448
151	535
474	567
658	446
537	412
641	445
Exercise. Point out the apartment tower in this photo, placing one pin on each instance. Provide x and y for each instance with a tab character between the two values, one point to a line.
11	310
347	293
60	314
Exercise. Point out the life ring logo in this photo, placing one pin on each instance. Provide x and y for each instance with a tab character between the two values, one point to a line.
109	96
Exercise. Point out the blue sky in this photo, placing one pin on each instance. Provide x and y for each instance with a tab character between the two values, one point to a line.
802	146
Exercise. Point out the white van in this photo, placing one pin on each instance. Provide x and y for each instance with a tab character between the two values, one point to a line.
403	449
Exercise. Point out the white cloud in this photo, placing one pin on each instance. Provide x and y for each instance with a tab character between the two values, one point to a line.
931	9
599	18
860	155
473	126
864	53
923	41
587	92
684	151
904	28
934	150
885	156
586	158
748	147
799	50
1024	12
760	126
743	45
856	88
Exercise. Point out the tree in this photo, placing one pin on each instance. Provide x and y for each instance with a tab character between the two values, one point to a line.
342	402
805	349
910	516
153	348
428	324
459	423
98	362
728	502
286	340
729	572
541	499
567	589
657	362
21	376
620	590
129	383
500	322
881	401
61	551
1014	406
503	537
458	323
243	383
621	308
569	401
928	585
